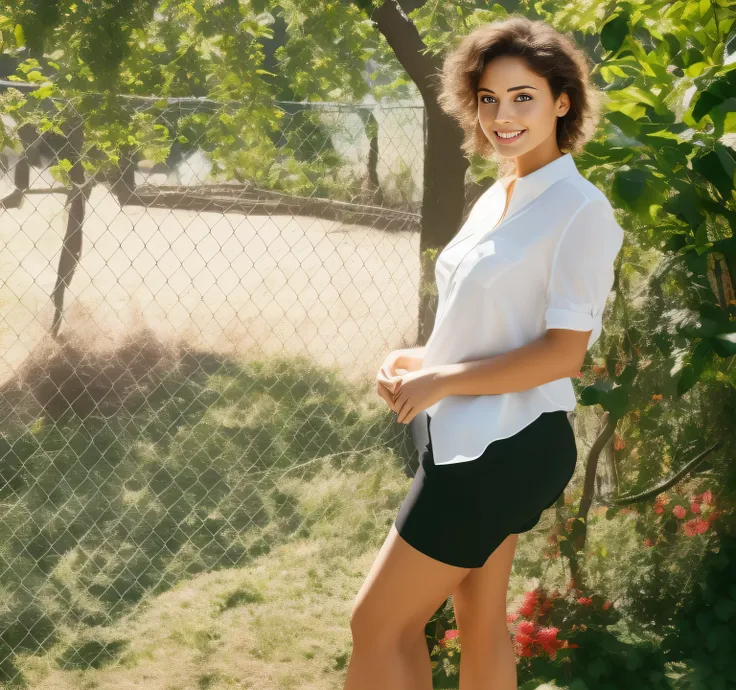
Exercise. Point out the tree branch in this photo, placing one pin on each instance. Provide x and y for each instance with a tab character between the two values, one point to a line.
652	493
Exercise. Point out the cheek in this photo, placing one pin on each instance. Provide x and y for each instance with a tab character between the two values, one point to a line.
539	115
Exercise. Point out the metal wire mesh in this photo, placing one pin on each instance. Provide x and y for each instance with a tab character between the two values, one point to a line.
186	327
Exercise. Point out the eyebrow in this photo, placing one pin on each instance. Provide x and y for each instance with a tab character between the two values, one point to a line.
513	88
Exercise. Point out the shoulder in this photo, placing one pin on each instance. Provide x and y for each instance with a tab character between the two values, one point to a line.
592	229
589	206
581	191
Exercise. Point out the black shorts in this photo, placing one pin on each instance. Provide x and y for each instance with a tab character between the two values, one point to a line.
460	513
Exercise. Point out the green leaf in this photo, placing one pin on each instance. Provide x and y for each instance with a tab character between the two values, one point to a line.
614	32
690	373
631	187
20	36
717	92
711	166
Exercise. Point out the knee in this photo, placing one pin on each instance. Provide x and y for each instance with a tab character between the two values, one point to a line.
366	627
363	626
371	631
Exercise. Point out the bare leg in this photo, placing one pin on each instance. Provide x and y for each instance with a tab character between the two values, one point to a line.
487	662
402	591
421	666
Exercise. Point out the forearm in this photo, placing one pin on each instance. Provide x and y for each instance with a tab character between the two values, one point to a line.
533	364
411	358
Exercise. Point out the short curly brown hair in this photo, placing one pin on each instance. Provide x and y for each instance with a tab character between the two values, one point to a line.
548	53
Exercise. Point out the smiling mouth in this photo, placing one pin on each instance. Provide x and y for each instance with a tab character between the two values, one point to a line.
505	139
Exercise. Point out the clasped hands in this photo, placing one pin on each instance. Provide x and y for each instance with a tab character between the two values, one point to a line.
408	392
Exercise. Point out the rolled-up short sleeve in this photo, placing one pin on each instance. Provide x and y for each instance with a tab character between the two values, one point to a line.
582	270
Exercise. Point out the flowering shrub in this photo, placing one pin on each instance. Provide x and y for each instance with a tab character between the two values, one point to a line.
444	645
694	514
564	637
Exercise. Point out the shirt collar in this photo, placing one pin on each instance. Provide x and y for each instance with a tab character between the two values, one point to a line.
529	187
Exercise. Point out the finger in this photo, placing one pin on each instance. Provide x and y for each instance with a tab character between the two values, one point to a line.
388	385
386	395
383	392
400	405
405	417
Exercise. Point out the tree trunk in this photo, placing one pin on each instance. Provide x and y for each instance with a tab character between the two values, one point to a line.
443	200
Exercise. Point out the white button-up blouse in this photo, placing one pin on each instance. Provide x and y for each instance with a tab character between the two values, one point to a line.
547	264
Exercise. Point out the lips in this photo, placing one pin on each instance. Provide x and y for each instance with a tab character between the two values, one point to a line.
506	139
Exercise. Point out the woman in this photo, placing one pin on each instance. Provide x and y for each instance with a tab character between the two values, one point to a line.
522	287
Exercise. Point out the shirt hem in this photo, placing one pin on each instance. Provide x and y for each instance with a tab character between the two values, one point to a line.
500	438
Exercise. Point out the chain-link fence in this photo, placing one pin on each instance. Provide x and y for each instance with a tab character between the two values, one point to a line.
195	298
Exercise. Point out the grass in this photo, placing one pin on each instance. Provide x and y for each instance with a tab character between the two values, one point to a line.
129	474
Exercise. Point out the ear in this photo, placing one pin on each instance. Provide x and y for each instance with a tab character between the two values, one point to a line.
564	104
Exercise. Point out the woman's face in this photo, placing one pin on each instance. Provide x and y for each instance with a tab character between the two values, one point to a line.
511	97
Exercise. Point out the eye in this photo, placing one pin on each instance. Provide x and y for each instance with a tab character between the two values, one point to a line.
521	94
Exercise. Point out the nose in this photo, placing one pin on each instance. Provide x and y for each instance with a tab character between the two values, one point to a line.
500	112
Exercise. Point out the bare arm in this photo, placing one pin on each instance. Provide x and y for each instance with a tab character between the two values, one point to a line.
411	358
558	354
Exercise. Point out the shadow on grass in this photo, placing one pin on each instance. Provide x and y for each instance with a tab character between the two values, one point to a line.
124	472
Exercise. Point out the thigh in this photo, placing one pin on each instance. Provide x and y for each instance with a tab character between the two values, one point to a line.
479	599
402	591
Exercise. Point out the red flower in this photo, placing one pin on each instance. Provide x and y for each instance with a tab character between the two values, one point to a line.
451	634
526	627
524	639
547	634
694	507
511	617
531	596
695	526
585	601
679	511
547	638
600	370
607	606
526	609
